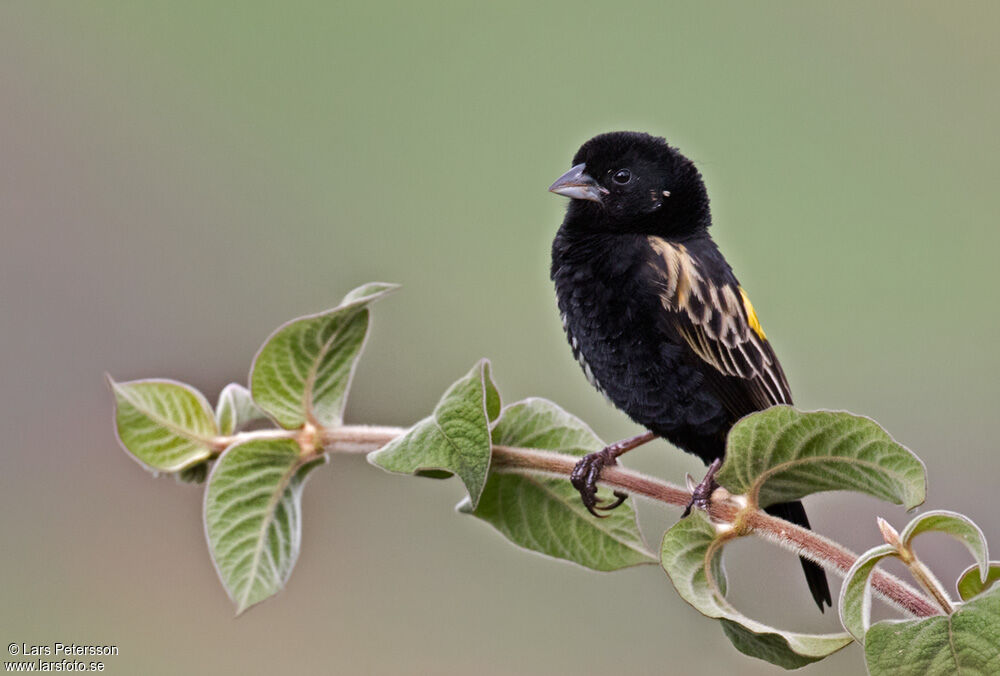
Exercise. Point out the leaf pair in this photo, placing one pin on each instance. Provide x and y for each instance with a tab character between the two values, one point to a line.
964	641
774	456
691	554
300	374
540	513
252	512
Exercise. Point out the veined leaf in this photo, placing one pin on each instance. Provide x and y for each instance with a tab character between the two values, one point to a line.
782	454
965	642
958	526
545	514
856	594
302	372
253	519
163	424
236	409
454	439
691	554
970	583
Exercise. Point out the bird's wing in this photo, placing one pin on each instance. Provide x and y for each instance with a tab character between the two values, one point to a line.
716	320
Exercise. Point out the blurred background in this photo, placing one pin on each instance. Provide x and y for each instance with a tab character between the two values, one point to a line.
177	179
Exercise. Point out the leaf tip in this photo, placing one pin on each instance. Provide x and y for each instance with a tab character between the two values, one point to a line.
369	292
464	506
242	607
372	458
889	534
484	366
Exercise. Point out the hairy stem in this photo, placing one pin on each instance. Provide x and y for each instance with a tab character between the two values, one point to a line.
928	581
827	553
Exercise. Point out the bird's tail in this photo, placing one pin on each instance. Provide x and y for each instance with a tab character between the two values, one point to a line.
815	576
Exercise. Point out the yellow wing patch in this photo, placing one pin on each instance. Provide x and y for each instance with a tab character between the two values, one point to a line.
708	317
752	315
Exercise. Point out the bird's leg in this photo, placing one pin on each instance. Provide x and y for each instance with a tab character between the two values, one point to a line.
702	493
588	471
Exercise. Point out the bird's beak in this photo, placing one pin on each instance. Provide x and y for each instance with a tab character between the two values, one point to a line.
578	185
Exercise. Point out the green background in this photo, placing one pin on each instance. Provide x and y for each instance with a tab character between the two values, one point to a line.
176	179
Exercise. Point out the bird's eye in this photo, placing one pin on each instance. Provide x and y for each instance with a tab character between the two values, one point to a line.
622	176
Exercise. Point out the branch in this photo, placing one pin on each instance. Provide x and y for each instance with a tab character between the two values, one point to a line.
827	553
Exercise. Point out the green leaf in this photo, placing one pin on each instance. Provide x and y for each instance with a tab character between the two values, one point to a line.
782	454
253	519
165	425
302	372
691	554
970	584
455	439
236	409
856	594
545	514
954	524
966	642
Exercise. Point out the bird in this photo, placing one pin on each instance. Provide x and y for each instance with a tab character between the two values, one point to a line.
655	316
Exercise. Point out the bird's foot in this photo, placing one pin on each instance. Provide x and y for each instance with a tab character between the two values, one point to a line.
587	473
701	495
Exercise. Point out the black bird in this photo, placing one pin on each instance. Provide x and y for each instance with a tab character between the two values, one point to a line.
654	313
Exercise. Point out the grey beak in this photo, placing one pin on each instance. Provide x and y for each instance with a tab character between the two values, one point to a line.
578	185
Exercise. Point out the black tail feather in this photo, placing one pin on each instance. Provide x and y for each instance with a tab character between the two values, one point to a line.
815	575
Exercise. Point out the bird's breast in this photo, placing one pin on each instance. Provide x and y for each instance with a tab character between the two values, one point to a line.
610	317
614	321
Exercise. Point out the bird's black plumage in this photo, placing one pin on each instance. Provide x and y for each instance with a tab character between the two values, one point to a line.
651	308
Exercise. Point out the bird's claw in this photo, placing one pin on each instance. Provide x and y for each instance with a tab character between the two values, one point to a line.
586	475
701	495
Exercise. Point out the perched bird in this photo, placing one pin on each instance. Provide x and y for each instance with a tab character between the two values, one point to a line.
654	313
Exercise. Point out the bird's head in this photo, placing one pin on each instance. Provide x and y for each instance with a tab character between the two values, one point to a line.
634	182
